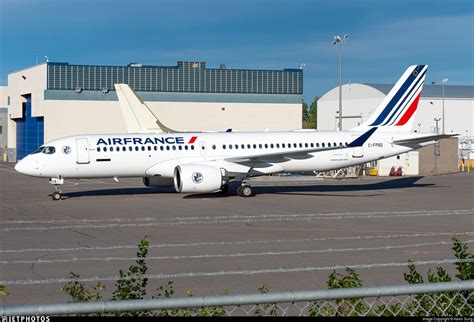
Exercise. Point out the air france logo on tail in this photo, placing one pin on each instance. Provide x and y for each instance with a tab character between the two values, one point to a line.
404	99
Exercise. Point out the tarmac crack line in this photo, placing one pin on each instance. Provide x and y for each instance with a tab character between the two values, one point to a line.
255	219
207	256
242	272
225	243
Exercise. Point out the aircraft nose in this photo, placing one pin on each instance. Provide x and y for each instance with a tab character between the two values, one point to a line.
20	166
25	166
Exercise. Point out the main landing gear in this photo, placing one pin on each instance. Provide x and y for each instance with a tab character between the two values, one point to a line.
57	182
244	190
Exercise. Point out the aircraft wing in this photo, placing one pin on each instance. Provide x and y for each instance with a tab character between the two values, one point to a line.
137	115
423	139
300	153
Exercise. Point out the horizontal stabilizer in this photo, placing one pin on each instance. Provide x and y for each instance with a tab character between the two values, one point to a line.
423	139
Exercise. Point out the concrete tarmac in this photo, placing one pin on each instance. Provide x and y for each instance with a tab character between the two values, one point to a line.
290	236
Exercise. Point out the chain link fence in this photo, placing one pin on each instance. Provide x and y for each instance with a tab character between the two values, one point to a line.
430	299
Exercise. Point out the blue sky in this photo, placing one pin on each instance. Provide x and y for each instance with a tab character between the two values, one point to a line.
385	36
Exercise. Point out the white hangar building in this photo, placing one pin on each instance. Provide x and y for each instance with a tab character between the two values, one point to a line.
360	100
53	100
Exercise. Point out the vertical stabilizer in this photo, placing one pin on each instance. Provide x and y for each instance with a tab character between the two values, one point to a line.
397	110
137	115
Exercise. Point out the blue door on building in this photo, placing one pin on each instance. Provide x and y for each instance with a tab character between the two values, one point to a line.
29	131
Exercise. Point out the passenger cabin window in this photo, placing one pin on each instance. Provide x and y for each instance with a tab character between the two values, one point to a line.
98	149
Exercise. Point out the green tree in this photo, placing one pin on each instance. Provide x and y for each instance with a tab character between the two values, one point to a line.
305	114
313	113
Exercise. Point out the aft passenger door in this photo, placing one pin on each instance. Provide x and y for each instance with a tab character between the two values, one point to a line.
357	152
82	151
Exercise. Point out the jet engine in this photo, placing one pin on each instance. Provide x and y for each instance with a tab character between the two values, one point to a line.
158	181
197	178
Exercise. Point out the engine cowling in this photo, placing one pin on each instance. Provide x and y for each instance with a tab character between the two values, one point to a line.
158	181
196	178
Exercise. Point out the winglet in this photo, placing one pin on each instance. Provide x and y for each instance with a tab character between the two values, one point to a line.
363	138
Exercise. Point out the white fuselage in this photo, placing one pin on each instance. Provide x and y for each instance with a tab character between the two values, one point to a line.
143	155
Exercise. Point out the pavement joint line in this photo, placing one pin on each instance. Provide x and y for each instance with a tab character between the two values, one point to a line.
250	217
241	272
207	256
244	242
281	218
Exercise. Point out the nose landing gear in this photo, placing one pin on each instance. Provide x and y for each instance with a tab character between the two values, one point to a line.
57	182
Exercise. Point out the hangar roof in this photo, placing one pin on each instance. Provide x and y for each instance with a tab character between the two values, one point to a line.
450	91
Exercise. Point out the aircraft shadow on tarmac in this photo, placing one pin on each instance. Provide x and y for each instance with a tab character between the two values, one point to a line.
331	189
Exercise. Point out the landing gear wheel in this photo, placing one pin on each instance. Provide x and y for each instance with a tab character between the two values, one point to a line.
224	188
244	191
56	195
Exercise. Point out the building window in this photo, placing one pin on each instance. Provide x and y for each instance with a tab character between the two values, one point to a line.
8	100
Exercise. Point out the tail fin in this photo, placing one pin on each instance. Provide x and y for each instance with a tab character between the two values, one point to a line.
396	112
137	115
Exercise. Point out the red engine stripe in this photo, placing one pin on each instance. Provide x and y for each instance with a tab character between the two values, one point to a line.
409	112
192	140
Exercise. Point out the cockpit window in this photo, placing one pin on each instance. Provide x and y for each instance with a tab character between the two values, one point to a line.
38	150
49	150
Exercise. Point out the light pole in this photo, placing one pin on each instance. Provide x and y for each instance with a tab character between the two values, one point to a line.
444	81
340	41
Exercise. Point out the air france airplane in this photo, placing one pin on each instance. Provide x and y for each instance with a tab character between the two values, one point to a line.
205	162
